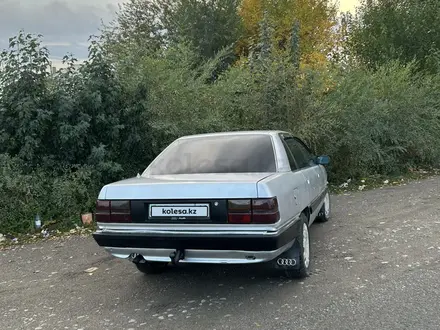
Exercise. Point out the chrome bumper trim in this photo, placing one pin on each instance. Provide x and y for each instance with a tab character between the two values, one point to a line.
198	230
202	256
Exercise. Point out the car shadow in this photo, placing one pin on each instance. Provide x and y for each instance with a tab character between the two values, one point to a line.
201	280
197	283
199	288
213	273
184	283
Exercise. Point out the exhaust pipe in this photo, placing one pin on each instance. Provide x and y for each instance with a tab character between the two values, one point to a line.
136	258
175	257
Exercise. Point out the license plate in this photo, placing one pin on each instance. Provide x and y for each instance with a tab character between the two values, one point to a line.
200	211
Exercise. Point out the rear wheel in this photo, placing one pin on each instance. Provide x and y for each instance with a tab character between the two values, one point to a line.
324	213
151	267
300	252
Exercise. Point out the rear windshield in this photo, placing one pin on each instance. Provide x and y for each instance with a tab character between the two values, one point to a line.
217	154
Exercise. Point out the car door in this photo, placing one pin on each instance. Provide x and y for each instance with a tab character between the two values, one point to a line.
299	189
306	163
320	178
302	164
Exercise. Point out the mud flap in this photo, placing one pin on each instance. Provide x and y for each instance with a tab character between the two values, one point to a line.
289	259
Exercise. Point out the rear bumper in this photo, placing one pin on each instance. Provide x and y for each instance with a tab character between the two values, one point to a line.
221	247
201	256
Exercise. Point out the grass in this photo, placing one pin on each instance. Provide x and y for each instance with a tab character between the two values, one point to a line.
44	235
381	181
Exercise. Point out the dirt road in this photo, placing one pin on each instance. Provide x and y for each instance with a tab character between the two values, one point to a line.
376	266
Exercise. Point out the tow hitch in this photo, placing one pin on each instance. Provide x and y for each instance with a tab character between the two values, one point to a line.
176	256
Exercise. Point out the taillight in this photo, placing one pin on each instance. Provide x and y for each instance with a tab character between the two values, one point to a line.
259	211
265	210
102	212
239	211
113	211
120	211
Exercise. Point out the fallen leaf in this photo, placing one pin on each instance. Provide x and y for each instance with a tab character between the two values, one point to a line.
91	270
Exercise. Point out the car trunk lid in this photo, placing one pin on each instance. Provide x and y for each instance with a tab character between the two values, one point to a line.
192	198
186	186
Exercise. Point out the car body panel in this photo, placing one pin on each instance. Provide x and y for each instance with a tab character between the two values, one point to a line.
286	187
187	186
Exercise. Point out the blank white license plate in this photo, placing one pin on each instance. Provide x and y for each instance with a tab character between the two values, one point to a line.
179	211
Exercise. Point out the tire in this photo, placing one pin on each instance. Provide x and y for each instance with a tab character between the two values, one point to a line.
300	251
151	267
325	212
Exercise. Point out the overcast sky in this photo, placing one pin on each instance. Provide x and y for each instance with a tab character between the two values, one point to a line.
65	24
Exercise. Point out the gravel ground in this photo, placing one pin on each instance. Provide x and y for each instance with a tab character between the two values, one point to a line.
376	265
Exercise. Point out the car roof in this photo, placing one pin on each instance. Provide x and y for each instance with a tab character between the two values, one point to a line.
258	132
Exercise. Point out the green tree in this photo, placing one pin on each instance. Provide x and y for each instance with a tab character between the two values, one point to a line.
26	114
53	121
311	20
403	30
139	23
208	25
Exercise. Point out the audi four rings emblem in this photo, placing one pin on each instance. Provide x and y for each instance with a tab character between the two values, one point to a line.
286	262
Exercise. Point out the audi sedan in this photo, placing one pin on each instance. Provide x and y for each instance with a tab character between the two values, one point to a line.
221	198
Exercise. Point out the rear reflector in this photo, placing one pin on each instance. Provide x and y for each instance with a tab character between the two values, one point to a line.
259	211
239	218
266	218
120	218
113	211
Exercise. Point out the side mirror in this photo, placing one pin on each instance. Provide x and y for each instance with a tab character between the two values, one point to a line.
322	160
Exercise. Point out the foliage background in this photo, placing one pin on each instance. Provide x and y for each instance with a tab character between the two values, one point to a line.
363	89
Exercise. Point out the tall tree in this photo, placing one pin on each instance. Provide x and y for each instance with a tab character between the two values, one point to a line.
138	24
313	20
209	25
403	30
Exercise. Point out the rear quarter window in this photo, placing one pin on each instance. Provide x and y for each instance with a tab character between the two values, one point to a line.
217	154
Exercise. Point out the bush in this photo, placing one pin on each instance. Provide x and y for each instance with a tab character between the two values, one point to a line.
56	198
383	122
